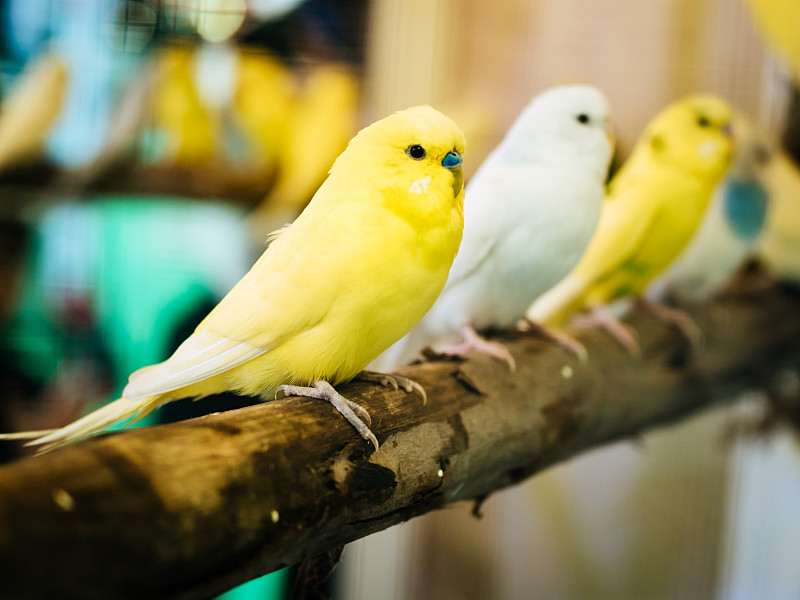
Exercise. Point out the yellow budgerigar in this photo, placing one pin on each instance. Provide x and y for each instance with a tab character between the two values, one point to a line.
356	270
732	227
654	204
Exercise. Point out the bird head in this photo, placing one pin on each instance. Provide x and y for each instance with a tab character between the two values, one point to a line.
753	151
693	134
414	158
567	120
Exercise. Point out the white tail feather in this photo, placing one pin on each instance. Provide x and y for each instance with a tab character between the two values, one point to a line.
26	435
200	356
119	411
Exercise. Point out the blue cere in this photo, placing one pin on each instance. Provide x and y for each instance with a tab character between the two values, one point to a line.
451	160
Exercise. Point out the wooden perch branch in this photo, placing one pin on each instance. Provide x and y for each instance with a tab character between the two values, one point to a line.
190	509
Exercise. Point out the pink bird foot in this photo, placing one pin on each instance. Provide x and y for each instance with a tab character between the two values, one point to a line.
355	414
475	343
395	381
601	317
565	341
677	318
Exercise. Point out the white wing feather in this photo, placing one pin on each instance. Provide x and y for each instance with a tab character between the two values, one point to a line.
201	356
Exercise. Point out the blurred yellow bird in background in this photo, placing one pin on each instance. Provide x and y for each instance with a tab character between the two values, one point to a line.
179	112
779	22
262	103
31	108
356	270
780	243
318	124
654	204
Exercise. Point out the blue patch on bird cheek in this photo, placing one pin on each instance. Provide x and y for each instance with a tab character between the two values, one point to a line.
745	207
451	160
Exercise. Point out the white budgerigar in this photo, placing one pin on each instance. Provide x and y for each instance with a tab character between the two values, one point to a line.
731	228
529	213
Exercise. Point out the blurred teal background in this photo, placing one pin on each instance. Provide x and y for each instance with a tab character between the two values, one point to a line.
136	140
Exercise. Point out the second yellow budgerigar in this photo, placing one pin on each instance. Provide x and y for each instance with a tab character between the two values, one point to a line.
355	271
654	204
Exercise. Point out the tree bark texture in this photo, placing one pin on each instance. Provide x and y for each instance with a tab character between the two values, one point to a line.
191	509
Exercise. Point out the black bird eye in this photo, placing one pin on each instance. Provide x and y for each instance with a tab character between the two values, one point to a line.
703	122
582	118
416	151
